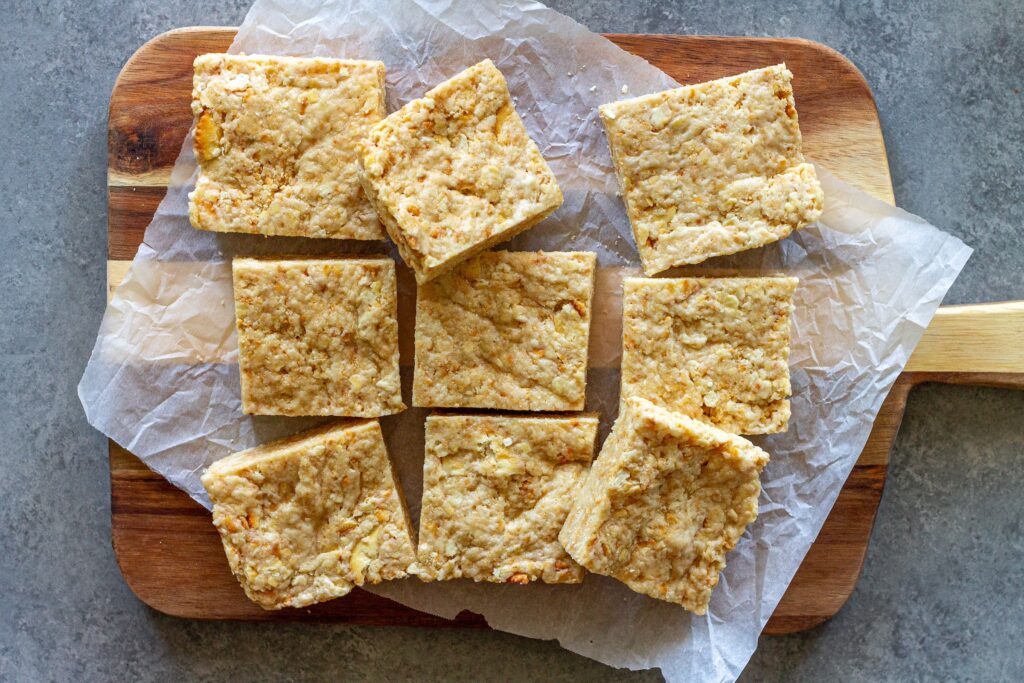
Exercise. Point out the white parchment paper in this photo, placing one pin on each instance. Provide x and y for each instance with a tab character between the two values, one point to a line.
163	377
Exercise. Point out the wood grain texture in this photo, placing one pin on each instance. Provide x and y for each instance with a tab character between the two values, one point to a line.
976	338
166	546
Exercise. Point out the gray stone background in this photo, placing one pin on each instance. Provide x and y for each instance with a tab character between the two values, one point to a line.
940	597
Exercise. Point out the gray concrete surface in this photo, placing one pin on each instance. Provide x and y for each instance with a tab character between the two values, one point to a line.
941	595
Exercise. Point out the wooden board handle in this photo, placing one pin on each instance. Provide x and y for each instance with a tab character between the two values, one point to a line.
973	344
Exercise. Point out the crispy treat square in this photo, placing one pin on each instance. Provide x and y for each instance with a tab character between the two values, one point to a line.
275	139
455	172
713	168
666	499
318	336
305	519
716	349
496	491
506	330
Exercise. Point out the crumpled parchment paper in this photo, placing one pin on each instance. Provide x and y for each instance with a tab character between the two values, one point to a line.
163	377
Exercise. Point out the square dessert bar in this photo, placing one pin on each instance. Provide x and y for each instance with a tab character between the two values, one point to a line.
305	519
716	349
496	491
666	499
506	330
455	172
318	336
713	168
275	139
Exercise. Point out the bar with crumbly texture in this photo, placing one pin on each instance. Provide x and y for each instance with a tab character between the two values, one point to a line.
276	142
496	491
506	330
715	349
664	502
318	336
306	519
713	168
455	172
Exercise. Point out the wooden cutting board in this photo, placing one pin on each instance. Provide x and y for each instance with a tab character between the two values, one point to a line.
165	544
